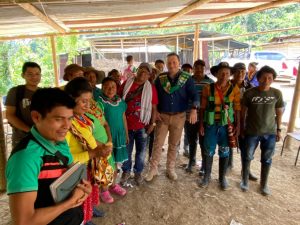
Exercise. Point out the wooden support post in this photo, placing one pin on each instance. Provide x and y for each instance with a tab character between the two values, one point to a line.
2	152
123	56
146	50
196	41
53	47
200	50
177	45
213	53
295	107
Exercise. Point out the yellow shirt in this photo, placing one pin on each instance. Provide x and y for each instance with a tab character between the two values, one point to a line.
77	150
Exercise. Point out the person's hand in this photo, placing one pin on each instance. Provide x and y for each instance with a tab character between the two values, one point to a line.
158	117
201	130
106	150
78	197
193	116
85	186
150	128
278	136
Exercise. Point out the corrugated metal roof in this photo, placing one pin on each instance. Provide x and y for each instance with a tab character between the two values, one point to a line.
87	15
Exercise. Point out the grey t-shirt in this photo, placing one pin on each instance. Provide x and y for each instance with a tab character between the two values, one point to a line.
24	109
261	113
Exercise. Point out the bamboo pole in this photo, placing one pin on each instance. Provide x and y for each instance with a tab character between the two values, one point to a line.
183	11
196	41
295	107
54	59
2	152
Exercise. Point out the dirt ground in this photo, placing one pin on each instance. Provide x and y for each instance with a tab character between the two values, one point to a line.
182	202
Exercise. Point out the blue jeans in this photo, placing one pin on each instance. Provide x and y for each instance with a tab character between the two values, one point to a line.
213	135
140	139
267	146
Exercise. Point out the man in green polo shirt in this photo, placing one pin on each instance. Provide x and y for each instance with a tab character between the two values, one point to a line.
33	166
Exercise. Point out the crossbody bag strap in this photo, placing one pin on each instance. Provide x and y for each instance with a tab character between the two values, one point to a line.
133	94
57	153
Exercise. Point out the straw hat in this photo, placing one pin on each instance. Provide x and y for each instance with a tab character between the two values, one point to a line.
100	75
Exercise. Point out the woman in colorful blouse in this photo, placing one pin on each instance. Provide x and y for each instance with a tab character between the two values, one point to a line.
82	143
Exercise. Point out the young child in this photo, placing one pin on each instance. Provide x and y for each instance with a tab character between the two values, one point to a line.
114	110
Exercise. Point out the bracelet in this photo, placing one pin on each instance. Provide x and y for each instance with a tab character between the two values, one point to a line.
278	129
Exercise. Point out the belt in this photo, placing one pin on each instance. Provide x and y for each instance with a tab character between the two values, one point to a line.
171	113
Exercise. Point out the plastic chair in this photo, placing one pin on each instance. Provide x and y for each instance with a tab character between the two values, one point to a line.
295	136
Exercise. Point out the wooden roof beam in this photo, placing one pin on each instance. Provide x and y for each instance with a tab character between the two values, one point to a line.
183	11
254	9
36	12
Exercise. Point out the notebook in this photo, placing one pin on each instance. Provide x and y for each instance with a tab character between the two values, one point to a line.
63	186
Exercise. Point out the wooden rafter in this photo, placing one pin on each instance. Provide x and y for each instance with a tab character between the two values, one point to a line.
36	12
254	9
184	11
132	30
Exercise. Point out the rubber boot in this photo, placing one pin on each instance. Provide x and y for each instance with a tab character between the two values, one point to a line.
208	165
245	175
230	159
192	156
202	169
252	176
223	163
265	169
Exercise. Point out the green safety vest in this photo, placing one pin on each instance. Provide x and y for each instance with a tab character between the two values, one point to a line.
209	113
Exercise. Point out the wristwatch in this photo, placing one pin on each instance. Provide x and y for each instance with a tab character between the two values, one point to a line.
278	129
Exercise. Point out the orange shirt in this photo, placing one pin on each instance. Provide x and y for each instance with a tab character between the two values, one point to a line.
233	97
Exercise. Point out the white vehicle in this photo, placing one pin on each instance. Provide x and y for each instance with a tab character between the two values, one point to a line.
285	69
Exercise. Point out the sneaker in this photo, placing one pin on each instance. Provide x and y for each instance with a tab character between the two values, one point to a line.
106	197
172	175
150	175
124	178
138	179
118	190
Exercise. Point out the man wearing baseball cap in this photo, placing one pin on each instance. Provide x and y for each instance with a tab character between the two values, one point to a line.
141	98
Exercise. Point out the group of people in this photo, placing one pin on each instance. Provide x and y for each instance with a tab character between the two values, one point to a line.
79	122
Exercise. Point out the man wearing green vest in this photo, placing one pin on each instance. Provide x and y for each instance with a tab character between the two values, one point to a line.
220	107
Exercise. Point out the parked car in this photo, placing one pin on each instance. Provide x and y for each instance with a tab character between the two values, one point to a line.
286	69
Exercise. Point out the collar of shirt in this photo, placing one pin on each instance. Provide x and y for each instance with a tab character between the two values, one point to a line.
46	143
